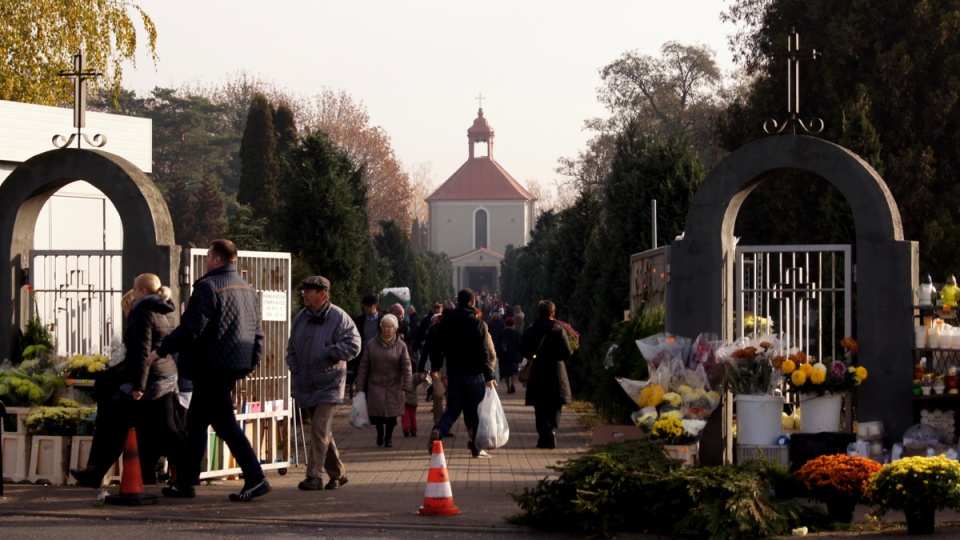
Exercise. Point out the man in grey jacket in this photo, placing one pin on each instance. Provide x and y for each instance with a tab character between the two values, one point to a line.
323	339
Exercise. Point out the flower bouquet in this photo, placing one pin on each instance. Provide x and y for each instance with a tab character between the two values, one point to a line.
917	486
807	375
84	366
573	337
65	419
33	382
676	401
839	481
748	367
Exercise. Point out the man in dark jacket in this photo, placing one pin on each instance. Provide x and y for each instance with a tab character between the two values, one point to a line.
220	341
463	344
368	325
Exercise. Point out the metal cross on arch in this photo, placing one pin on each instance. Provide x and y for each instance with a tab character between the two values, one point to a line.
793	55
79	105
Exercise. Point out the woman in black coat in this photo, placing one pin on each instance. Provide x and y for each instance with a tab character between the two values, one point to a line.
136	394
548	388
509	355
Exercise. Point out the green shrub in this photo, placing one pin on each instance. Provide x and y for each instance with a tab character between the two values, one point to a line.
610	400
632	486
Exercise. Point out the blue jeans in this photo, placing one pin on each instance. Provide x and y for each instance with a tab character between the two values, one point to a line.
464	394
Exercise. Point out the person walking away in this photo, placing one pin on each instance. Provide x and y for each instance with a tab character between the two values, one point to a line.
463	349
548	389
323	340
420	341
368	325
437	385
509	355
220	341
385	374
519	318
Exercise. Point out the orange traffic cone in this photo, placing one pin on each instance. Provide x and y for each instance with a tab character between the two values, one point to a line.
438	501
131	483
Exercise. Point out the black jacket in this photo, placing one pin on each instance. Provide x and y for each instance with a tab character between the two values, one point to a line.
219	333
150	320
549	385
461	336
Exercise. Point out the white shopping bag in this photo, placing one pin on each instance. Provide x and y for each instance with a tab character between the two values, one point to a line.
493	430
359	416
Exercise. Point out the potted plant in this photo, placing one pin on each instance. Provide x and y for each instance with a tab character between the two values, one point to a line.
918	486
821	383
839	481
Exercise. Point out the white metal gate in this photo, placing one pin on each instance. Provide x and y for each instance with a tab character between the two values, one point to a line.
803	292
264	406
76	293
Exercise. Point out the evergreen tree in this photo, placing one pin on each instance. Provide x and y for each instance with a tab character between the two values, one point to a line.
393	245
259	164
322	222
210	210
286	126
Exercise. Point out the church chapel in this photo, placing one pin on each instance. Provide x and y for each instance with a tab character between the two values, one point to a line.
477	213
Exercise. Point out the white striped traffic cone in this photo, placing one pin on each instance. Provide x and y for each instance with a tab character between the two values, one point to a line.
438	500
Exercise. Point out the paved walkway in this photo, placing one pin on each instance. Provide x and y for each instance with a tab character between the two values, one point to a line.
386	487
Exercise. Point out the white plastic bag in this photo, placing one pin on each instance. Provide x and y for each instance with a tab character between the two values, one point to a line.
493	430
359	416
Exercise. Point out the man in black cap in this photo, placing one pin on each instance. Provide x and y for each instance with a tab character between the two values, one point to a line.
322	340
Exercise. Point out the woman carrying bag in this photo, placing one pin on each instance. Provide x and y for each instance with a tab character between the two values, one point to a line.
545	343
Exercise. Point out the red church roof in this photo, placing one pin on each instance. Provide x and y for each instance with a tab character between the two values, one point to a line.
481	178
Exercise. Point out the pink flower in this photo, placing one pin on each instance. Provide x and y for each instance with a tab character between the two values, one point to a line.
838	369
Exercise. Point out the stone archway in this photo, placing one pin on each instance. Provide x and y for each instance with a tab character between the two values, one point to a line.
699	292
148	241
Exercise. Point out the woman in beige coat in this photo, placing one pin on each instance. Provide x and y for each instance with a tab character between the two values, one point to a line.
385	374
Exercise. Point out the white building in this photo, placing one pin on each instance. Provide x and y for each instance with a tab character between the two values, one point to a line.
477	213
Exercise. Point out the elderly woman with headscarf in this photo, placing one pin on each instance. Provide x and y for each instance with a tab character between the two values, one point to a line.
385	374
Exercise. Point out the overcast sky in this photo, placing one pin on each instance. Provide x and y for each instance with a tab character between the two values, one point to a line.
418	66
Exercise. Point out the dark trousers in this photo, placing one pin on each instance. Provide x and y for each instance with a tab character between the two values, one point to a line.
212	406
464	394
115	417
547	419
158	434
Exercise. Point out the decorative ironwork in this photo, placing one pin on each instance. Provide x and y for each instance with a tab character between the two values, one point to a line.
793	55
79	105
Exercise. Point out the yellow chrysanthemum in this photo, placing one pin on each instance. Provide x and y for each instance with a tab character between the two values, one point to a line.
861	373
818	376
807	369
788	366
798	377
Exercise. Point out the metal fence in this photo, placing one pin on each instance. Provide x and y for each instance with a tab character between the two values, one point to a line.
77	295
263	399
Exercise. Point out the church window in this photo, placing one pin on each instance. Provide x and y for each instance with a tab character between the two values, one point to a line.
480	229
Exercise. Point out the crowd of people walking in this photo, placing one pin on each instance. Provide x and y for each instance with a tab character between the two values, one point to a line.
174	382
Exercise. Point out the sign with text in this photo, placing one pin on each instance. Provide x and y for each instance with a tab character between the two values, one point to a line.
274	306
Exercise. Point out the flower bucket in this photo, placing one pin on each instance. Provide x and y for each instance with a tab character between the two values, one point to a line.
820	413
920	520
758	419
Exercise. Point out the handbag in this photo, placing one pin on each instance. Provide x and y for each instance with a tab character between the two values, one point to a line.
527	368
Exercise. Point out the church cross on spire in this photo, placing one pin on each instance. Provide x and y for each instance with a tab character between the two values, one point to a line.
793	56
80	75
480	99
